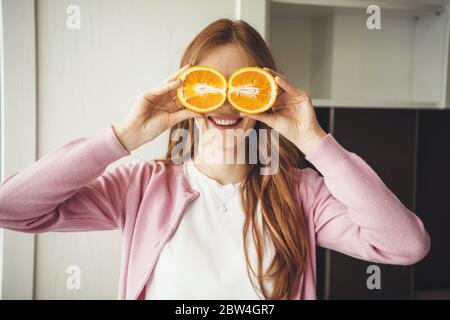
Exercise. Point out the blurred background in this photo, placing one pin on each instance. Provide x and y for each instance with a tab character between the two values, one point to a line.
378	72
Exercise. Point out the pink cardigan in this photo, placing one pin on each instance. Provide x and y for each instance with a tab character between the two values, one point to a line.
348	210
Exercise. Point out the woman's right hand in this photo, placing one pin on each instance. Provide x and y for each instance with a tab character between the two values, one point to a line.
154	112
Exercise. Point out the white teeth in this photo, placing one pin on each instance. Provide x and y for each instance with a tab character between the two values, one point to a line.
224	122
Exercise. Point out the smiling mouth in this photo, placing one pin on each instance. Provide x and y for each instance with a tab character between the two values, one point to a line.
222	123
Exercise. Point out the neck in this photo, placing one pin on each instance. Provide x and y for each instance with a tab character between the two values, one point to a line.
213	164
222	173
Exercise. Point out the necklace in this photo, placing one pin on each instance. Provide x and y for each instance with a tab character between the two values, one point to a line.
224	204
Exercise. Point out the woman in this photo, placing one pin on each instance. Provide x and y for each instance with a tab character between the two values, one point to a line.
217	230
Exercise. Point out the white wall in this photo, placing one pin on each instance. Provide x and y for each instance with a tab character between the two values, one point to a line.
290	40
18	145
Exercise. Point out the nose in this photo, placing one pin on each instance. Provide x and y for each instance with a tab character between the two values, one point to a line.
227	108
225	111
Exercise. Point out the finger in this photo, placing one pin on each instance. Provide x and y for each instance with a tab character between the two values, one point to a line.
280	92
283	99
275	73
173	94
278	107
283	106
284	83
181	115
175	75
158	93
267	118
168	104
287	87
175	105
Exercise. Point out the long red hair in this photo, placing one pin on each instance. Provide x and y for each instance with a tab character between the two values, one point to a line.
282	219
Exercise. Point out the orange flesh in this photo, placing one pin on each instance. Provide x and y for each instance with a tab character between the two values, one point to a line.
251	90
203	89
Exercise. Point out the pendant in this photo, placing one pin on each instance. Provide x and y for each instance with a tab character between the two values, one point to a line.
224	208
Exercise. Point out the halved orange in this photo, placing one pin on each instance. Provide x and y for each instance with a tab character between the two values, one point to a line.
204	89
252	90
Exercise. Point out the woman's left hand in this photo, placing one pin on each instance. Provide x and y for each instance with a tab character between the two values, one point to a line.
293	116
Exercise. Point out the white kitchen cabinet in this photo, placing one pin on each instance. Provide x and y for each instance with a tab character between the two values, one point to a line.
326	48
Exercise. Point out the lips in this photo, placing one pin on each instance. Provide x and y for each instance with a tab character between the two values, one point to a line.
224	122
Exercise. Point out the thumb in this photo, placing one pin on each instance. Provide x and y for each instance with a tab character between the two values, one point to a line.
181	115
267	118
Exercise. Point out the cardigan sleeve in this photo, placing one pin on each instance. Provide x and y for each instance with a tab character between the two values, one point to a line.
69	189
355	213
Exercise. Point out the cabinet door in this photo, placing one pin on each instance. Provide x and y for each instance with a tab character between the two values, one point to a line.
386	140
432	275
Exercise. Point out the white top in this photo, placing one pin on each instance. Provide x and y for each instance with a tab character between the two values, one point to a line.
204	258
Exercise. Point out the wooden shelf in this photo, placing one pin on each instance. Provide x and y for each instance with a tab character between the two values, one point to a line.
399	5
394	104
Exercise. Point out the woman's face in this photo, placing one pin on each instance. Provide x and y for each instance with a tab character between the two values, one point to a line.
227	59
